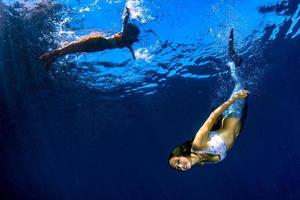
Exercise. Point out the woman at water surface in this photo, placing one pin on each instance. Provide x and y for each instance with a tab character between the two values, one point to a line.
210	145
97	42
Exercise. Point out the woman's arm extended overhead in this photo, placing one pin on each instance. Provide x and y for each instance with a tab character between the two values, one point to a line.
201	138
125	19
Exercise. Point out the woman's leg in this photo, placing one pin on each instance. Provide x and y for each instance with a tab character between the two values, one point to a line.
236	109
87	44
91	43
234	116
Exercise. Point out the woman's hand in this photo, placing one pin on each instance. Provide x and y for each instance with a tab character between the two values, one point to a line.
241	94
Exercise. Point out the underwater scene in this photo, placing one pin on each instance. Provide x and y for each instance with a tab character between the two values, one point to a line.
149	99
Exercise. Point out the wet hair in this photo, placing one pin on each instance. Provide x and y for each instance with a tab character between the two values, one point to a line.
183	149
132	33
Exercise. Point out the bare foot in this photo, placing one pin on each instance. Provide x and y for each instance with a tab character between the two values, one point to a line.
45	57
48	58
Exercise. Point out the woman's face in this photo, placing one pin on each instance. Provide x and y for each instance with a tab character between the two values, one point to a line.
181	163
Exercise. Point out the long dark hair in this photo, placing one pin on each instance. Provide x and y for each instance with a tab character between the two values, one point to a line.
183	149
132	33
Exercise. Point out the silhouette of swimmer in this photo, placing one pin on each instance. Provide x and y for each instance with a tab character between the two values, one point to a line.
218	133
97	42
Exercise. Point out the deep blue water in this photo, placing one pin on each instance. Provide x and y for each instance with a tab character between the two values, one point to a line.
101	126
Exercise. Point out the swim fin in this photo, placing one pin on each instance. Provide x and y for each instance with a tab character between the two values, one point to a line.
231	51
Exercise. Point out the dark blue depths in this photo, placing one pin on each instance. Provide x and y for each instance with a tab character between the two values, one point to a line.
60	140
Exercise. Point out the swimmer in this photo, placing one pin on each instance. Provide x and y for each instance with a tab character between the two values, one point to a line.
97	42
211	143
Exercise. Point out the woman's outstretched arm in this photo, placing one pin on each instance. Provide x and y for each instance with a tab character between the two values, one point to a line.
131	51
125	19
201	138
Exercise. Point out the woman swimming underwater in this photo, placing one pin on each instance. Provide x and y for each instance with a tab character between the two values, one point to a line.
97	42
209	145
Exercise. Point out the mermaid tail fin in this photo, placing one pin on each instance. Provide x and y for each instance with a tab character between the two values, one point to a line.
233	56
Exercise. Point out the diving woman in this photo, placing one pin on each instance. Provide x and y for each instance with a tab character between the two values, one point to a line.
211	144
97	42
